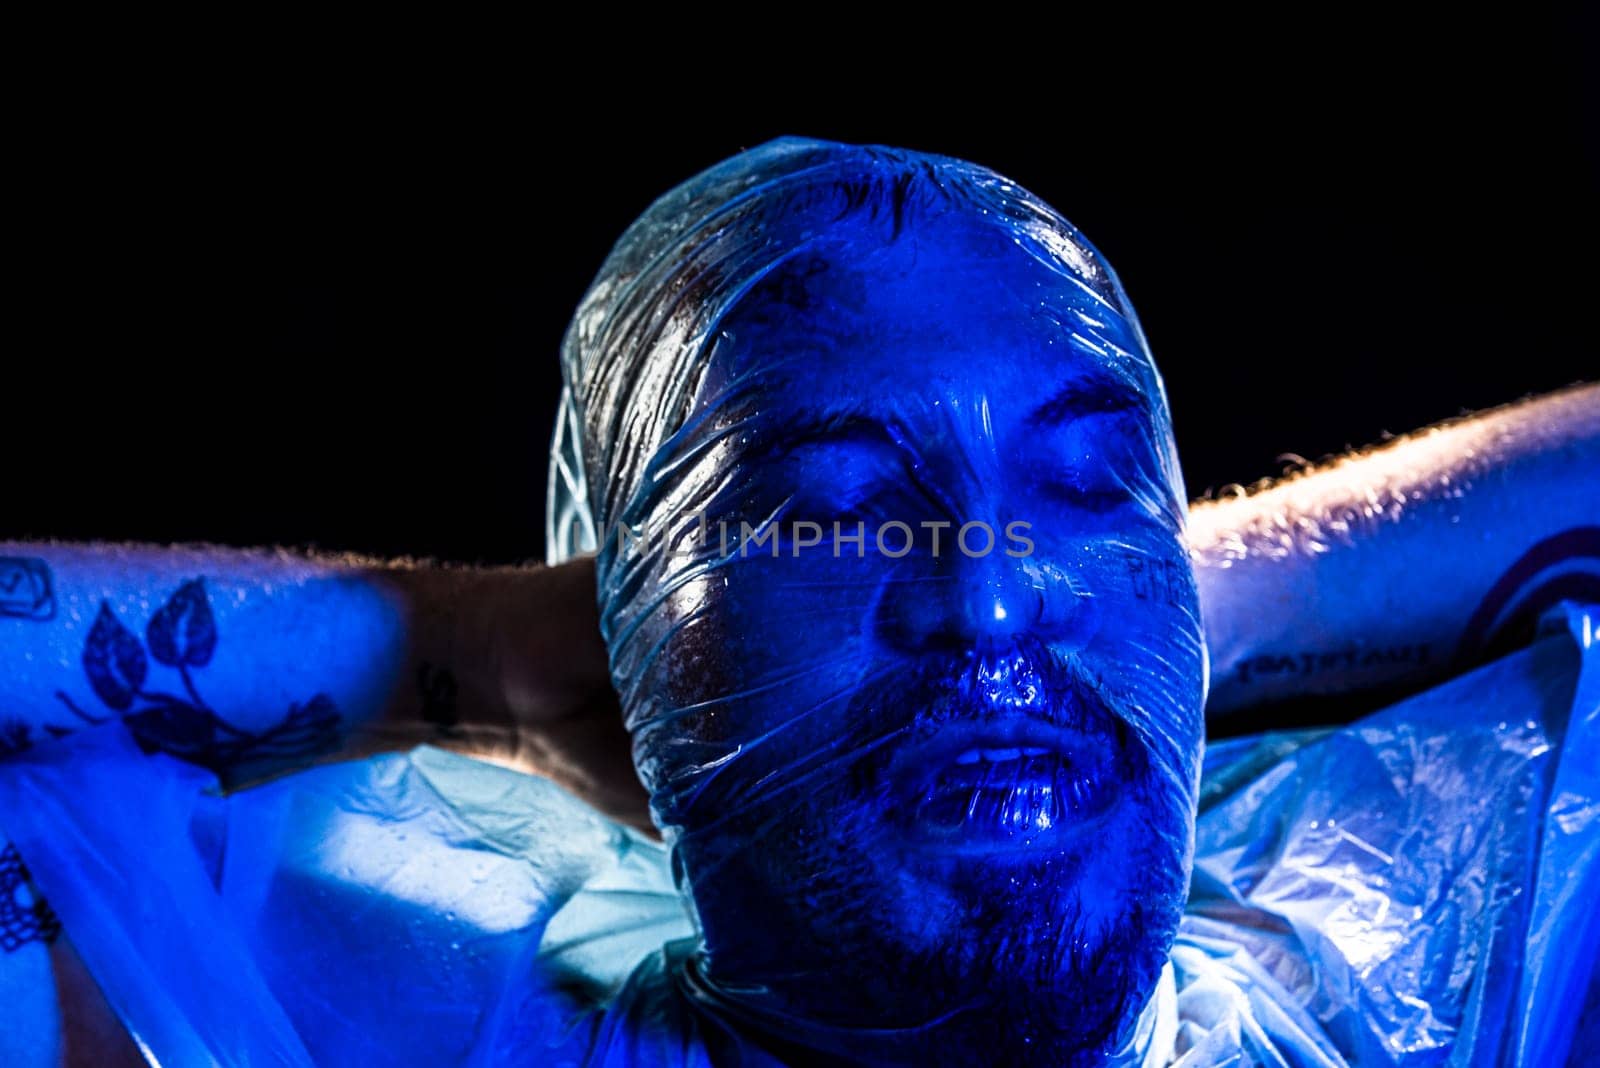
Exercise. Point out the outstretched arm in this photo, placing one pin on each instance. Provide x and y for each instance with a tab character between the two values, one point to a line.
1404	563
249	662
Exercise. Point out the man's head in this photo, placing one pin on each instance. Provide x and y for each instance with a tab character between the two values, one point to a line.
893	580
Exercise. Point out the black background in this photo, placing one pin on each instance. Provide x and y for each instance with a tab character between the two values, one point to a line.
263	312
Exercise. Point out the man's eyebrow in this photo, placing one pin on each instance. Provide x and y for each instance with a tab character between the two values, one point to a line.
818	427
1095	391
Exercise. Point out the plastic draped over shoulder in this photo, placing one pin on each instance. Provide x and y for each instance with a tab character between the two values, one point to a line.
889	525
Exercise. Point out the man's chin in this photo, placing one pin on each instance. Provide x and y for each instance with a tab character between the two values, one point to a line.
1020	994
971	963
1041	958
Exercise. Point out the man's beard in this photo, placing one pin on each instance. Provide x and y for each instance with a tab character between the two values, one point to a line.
872	951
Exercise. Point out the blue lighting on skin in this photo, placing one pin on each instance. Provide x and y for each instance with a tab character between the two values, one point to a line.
247	671
938	802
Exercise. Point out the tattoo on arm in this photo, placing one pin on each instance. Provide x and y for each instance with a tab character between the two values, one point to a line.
1562	566
1157	580
179	640
181	637
1340	663
25	589
25	916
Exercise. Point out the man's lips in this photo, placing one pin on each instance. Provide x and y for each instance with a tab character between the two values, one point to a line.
1010	784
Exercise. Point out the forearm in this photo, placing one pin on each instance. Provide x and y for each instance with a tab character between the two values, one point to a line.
1400	563
250	660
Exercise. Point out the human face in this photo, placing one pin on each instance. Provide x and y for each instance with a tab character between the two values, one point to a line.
945	794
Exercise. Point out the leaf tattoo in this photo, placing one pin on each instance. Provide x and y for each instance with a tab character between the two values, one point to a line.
114	660
182	635
183	631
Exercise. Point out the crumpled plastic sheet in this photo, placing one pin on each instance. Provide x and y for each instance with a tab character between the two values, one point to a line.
1422	882
1417	888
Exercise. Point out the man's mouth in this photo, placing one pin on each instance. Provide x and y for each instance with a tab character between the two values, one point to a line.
1012	784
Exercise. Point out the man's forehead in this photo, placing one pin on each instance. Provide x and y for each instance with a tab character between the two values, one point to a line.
839	311
941	322
961	274
968	405
1015	377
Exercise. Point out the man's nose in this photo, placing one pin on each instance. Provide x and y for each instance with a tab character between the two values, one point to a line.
964	602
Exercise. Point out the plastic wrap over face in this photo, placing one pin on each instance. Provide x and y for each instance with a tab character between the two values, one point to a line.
891	569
